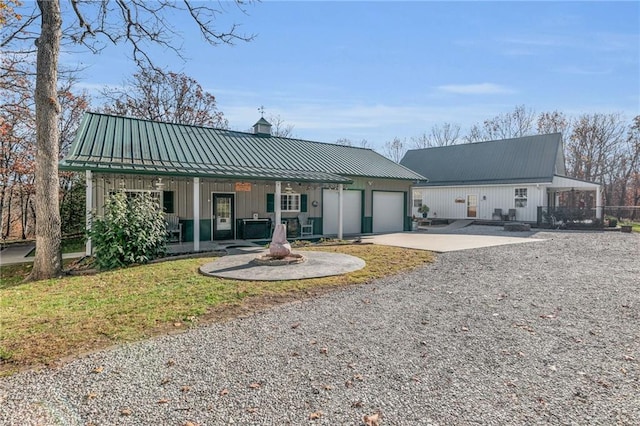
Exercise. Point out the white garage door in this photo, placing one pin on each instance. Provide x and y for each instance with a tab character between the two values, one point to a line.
351	212
388	211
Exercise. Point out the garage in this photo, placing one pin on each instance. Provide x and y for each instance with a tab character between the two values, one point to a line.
388	211
351	212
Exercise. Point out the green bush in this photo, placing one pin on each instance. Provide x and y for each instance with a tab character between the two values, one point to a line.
133	230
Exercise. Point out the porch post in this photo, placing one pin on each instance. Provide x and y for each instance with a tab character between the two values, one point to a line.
196	214
340	204
277	208
598	203
88	208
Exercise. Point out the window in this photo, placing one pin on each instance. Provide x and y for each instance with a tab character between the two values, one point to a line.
521	197
417	199
167	201
135	192
290	202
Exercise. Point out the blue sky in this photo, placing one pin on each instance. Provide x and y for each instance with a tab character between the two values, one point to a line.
379	70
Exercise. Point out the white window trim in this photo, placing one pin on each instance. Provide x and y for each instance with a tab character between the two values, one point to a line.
284	204
520	201
417	199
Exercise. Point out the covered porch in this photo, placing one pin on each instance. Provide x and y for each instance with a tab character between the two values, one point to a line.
572	202
205	212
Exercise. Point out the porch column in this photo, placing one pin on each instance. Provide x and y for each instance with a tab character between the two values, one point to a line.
340	204
196	214
88	208
598	203
277	208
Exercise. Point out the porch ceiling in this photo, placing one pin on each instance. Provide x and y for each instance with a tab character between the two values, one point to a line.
564	183
204	170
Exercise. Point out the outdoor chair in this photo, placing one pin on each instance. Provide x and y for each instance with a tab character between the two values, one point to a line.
272	220
497	214
306	225
512	214
174	227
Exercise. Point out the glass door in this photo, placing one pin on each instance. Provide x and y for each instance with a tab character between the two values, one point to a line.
222	215
472	206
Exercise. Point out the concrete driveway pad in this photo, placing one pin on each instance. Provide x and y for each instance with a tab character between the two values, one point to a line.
442	243
317	264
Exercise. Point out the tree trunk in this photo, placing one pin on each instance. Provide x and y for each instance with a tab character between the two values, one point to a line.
48	260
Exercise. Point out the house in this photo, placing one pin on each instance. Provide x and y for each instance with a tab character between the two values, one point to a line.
511	179
224	184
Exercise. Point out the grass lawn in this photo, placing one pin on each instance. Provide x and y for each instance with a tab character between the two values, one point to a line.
45	321
635	226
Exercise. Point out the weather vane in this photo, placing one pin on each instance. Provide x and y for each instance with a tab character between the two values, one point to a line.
261	109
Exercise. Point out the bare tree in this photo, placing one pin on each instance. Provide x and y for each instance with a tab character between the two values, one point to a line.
171	97
594	148
444	135
439	135
422	141
348	142
139	24
515	124
364	144
395	149
278	128
626	165
475	134
553	122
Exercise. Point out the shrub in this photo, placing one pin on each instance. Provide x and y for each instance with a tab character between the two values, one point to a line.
133	230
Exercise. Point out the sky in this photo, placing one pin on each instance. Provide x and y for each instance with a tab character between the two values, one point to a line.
379	70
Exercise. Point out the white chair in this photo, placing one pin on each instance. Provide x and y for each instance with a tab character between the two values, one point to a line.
174	227
306	225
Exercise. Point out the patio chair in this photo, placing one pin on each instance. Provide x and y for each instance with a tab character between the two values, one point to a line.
174	227
512	214
306	225
272	219
497	214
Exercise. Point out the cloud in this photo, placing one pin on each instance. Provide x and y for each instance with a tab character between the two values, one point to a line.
476	89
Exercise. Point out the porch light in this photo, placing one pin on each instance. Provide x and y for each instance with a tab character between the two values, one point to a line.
288	189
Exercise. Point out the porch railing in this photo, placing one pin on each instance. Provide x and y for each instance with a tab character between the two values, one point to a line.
568	218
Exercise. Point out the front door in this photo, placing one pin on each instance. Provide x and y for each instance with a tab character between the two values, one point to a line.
472	206
222	214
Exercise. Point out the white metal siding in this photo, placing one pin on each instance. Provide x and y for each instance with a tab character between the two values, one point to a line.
388	211
441	201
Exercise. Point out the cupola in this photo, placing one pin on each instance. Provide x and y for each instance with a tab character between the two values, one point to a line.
262	128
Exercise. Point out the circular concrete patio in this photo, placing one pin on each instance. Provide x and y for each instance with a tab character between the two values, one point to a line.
318	264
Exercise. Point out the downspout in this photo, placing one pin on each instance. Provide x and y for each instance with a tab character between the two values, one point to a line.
340	215
88	209
196	214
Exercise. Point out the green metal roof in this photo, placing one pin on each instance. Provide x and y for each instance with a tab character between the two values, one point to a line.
127	145
532	159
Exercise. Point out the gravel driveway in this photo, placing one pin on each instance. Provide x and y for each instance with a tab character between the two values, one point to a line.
545	333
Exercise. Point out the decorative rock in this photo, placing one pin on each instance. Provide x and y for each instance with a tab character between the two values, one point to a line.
279	247
517	227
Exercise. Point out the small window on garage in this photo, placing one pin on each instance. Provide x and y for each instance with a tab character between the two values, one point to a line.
417	199
521	197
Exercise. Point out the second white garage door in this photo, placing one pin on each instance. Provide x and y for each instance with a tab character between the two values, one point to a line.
388	211
351	212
